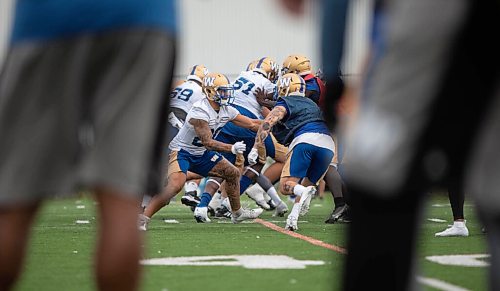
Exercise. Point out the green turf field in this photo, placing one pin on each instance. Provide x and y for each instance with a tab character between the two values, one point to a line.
61	250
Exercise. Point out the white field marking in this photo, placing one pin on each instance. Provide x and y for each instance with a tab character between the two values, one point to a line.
317	205
245	261
440	205
284	221
438	284
82	222
226	220
80	207
170	221
461	260
436	220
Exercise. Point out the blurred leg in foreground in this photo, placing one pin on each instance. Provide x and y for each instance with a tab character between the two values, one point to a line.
424	101
82	106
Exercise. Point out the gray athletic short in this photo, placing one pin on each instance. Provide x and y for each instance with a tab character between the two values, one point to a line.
84	112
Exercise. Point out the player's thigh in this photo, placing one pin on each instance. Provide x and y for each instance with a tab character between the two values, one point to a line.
175	182
224	169
297	162
275	150
320	163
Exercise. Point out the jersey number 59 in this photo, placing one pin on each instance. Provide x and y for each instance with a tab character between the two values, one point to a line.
183	95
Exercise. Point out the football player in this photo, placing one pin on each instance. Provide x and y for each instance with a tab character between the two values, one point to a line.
262	76
182	98
195	153
315	90
301	65
297	121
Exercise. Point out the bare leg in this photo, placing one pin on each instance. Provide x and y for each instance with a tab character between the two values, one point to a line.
15	225
224	169
273	172
321	189
175	183
118	247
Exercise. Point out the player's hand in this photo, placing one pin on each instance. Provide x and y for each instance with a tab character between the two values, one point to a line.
238	147
260	94
253	156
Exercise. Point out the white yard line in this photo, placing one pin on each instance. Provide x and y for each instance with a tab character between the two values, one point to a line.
440	285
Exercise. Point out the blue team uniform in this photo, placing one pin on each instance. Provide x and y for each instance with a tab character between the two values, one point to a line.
231	133
311	146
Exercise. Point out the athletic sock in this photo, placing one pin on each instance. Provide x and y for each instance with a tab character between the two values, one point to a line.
145	200
295	210
245	182
339	201
274	196
190	187
298	189
205	199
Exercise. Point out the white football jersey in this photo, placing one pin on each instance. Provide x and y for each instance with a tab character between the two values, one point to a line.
188	140
185	95
244	91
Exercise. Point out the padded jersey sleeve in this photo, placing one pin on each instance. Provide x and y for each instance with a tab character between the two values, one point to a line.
232	112
281	102
197	112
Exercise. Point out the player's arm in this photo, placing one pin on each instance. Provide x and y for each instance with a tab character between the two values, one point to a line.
205	134
265	111
245	122
277	114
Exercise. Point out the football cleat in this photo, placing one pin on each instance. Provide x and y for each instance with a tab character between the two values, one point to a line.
143	222
246	214
223	212
339	214
258	196
281	210
271	204
201	214
291	223
457	229
305	200
190	199
216	201
211	211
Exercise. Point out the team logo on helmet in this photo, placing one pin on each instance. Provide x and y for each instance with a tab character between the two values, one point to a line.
208	81
217	88
291	84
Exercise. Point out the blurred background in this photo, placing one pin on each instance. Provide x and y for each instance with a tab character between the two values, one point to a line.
225	35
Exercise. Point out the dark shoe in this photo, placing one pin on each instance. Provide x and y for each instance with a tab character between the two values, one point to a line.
339	214
222	212
190	199
211	211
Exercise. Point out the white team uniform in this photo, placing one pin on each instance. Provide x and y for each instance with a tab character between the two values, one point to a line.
244	94
185	95
187	139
